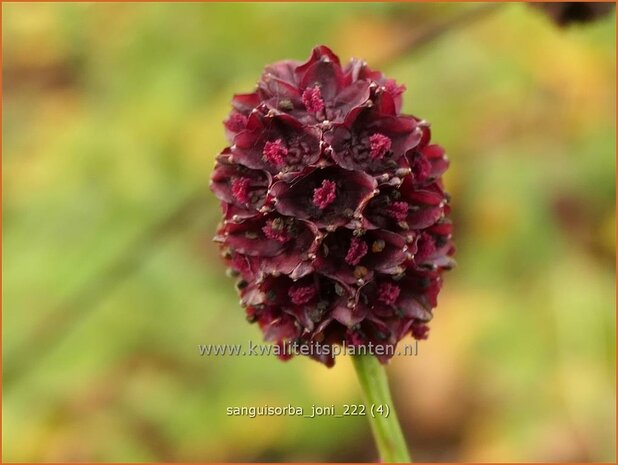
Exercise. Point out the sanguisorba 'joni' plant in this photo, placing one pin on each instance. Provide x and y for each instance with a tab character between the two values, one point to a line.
335	220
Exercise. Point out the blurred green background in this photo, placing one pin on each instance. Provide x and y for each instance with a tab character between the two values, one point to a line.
112	119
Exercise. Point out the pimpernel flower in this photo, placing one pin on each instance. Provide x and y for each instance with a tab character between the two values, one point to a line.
335	219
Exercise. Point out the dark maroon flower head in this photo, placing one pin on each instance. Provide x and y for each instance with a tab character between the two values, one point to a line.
335	220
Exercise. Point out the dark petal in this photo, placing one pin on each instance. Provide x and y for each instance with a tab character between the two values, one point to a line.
387	210
443	228
443	259
320	351
280	330
369	296
358	70
410	307
302	144
425	214
402	130
304	311
385	104
353	190
318	312
376	213
353	96
427	195
349	152
273	87
420	166
244	265
434	252
392	255
340	139
327	358
326	75
284	70
378	331
293	107
236	122
303	269
425	134
350	316
235	214
244	103
223	177
248	238
384	253
355	115
423	285
295	260
324	69
333	260
395	91
419	331
289	263
398	328
437	158
270	291
320	52
433	151
302	315
350	141
426	205
252	295
326	328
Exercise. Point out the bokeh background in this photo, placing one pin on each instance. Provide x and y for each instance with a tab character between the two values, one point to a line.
112	119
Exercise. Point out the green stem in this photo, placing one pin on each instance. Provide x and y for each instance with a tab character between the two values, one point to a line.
386	430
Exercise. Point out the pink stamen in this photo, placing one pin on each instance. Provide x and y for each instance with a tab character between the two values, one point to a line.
379	145
358	249
388	293
312	98
275	230
240	189
398	210
275	152
302	294
324	195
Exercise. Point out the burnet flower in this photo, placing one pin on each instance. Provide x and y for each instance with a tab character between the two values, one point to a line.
335	219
